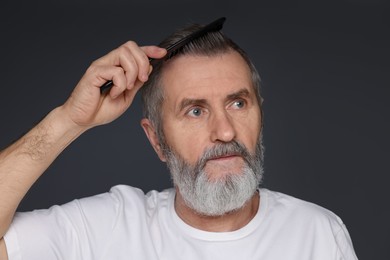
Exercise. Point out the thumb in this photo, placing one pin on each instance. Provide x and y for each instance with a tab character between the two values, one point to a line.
154	52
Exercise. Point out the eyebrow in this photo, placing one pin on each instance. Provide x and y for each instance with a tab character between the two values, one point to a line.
190	102
239	94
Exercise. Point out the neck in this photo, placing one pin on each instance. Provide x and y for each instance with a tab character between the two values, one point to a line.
228	222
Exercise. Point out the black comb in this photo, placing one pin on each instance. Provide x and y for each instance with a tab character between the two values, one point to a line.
175	47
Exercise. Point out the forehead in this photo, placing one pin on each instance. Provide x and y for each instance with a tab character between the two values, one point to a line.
198	76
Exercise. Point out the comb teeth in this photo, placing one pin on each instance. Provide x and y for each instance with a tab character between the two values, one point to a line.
173	49
211	27
173	53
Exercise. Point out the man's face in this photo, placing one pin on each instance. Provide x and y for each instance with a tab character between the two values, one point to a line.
211	124
210	100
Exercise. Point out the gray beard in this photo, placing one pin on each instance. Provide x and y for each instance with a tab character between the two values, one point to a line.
221	196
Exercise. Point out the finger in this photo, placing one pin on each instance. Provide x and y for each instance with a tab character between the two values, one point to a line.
134	62
143	63
133	55
138	84
119	84
129	62
151	51
98	75
130	67
130	94
154	52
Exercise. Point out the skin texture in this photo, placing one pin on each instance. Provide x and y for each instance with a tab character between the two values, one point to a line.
209	100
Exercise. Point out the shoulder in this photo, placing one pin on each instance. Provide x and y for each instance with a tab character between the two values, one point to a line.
299	211
120	200
128	194
299	220
133	200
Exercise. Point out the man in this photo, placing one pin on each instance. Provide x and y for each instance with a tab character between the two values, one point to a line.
203	117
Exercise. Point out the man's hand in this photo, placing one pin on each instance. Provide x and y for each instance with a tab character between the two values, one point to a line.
128	67
23	162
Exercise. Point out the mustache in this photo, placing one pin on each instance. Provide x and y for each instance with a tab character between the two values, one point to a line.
224	149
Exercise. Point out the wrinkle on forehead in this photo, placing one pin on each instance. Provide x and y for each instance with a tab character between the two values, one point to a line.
203	77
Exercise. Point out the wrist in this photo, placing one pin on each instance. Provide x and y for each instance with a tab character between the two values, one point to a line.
63	130
66	120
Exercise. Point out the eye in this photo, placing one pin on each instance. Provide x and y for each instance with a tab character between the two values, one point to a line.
238	104
195	112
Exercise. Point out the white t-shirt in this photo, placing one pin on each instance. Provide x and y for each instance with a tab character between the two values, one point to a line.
127	224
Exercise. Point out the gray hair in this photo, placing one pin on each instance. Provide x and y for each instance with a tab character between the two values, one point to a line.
210	44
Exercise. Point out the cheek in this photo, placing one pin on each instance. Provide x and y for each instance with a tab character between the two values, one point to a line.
186	141
248	131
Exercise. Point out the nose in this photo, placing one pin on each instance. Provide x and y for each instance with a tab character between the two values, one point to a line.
222	128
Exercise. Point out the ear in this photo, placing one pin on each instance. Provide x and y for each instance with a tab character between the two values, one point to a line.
152	136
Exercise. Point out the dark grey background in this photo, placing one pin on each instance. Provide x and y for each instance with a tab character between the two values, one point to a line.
325	73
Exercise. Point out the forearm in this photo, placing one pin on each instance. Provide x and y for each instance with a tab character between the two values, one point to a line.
23	162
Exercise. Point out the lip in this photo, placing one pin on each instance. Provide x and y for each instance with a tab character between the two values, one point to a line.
224	157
